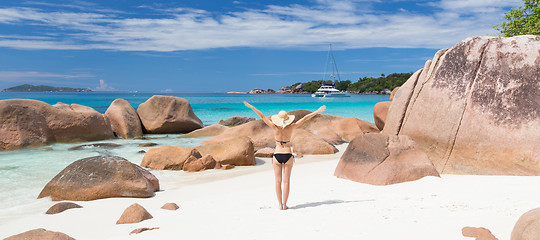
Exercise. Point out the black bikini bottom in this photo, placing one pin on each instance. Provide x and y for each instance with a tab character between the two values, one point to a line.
282	157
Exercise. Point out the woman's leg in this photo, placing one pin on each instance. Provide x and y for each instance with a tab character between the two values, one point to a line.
286	181
277	176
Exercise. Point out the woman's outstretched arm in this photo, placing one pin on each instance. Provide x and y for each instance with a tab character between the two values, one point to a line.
264	118
309	116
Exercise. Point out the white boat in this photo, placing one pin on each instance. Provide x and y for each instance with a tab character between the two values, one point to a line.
328	90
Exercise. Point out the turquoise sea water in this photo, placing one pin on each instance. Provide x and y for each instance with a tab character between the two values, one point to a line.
23	173
211	107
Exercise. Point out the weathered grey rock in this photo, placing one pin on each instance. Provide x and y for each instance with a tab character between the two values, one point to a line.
168	114
382	159
29	123
40	234
101	177
235	121
474	107
124	119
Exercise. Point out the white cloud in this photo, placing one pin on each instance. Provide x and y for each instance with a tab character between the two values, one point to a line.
103	86
346	23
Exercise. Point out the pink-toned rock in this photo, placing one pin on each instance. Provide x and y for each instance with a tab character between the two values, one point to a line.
140	230
305	142
170	206
101	177
168	114
527	226
332	129
265	152
193	164
29	123
380	110
474	108
393	94
237	151
62	206
40	234
259	133
381	159
212	130
134	214
124	119
235	121
168	157
478	233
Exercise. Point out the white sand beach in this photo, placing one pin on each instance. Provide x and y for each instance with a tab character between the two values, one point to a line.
241	204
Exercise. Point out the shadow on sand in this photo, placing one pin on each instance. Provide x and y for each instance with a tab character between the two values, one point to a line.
327	202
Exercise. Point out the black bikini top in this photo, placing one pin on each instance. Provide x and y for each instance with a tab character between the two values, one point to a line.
282	142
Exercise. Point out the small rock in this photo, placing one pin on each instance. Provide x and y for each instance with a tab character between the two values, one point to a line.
134	214
40	234
140	230
62	206
478	233
142	151
193	164
227	167
170	206
266	152
150	144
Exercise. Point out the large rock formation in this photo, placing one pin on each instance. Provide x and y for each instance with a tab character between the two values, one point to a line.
101	177
325	131
382	159
527	226
124	119
40	234
29	123
168	114
474	107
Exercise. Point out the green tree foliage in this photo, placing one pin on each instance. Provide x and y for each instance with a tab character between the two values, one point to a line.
521	21
365	84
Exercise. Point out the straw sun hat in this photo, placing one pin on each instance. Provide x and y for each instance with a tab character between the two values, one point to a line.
282	119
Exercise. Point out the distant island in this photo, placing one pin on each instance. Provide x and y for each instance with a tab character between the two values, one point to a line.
366	85
44	88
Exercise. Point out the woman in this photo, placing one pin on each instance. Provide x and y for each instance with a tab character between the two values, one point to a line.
282	163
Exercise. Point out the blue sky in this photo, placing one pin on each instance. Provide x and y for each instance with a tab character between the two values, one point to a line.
222	45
